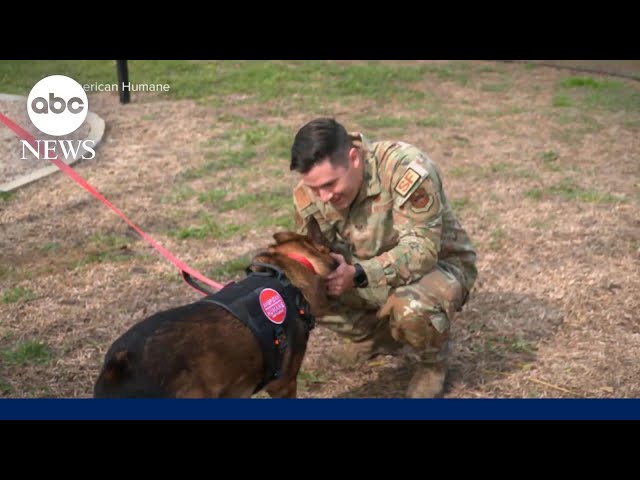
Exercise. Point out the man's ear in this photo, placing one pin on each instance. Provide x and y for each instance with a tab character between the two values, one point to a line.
314	233
354	157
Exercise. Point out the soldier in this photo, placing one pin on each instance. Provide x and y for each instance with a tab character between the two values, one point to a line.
405	263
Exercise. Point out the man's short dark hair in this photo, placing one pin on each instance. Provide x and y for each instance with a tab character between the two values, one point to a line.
320	138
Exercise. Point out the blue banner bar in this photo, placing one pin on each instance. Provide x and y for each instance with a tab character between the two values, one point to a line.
320	409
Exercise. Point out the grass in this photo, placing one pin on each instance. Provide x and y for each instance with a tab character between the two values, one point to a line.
549	156
503	112
5	387
306	379
504	345
575	125
237	176
17	294
270	200
498	87
435	121
497	239
178	194
230	269
218	162
28	352
19	76
251	147
283	221
381	123
209	228
247	80
595	94
260	137
262	209
101	240
50	247
6	196
105	248
562	100
240	148
515	343
307	83
503	170
569	190
279	86
548	159
456	72
460	204
544	223
212	197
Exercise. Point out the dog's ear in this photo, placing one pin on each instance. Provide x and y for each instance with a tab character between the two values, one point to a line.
314	233
282	237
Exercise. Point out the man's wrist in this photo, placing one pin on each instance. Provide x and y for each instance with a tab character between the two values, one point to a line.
376	275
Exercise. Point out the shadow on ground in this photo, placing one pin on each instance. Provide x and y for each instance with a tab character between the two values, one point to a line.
496	333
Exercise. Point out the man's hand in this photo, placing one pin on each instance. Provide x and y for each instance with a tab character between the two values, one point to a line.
341	279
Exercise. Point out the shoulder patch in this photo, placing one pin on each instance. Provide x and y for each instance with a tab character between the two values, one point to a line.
420	200
413	176
301	197
407	181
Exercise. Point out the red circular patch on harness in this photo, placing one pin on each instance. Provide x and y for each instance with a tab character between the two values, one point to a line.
273	305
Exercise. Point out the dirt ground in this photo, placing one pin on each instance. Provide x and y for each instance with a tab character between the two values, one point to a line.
554	312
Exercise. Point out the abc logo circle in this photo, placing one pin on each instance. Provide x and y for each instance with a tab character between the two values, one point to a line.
57	105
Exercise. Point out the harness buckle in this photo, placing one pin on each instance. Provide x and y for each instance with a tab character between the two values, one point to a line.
280	339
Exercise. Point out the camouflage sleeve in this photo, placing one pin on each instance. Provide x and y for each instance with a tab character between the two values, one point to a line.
417	219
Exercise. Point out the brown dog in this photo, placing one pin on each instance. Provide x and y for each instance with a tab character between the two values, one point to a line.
203	349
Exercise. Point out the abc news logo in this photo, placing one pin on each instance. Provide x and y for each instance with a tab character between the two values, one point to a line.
58	105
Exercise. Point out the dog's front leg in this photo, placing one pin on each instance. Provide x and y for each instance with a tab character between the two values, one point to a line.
283	389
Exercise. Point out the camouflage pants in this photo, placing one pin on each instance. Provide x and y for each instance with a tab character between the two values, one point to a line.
418	314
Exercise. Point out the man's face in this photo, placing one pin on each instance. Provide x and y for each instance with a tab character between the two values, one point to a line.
338	185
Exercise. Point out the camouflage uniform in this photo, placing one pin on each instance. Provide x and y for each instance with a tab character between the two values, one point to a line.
402	230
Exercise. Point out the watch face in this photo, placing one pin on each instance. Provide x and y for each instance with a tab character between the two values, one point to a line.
360	278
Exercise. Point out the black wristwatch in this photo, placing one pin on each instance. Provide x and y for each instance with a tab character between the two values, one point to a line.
360	279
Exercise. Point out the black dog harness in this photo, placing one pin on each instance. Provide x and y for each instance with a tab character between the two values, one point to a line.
268	304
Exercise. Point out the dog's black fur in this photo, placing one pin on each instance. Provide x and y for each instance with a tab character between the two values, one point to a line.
202	350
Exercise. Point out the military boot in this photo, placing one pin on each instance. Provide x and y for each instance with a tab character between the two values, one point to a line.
428	380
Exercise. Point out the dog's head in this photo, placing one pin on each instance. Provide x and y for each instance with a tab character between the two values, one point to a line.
313	247
306	261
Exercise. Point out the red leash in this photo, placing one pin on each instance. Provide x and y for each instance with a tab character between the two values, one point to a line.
187	272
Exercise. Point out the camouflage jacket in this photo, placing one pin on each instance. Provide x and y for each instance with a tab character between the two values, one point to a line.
400	223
